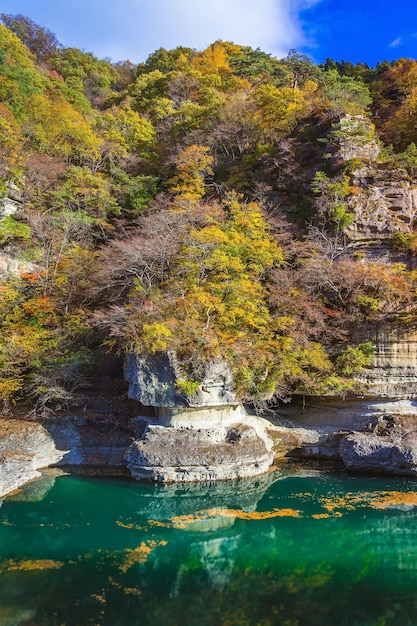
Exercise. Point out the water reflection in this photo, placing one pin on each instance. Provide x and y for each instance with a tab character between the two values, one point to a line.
281	549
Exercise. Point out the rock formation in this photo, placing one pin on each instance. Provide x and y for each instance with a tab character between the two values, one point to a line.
27	446
204	436
393	371
386	204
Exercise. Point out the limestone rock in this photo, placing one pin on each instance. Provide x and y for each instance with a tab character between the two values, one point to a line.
386	204
167	454
356	139
367	452
88	443
393	371
11	266
12	203
153	382
24	448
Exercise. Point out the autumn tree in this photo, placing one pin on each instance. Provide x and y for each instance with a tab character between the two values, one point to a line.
42	42
193	165
85	73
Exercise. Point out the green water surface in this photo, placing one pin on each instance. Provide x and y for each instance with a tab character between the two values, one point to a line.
313	549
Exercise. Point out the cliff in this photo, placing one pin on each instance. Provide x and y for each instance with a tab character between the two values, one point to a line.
393	371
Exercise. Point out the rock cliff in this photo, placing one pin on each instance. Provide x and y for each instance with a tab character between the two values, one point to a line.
385	204
393	371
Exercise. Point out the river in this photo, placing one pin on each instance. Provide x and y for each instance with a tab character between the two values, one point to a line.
290	548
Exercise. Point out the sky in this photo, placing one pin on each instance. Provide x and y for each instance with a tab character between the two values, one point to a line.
366	31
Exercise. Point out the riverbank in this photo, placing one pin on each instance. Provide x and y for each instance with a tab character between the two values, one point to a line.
363	435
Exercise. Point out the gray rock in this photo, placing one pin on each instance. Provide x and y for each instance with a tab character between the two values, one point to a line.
24	448
368	452
88	443
167	454
385	205
356	139
153	382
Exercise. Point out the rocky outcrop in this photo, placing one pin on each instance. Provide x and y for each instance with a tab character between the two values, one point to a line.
385	204
202	436
371	436
374	437
370	453
355	139
393	371
155	380
26	447
384	198
12	202
236	447
98	442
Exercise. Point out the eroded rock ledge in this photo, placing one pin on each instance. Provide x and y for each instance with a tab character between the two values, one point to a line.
204	436
210	436
365	436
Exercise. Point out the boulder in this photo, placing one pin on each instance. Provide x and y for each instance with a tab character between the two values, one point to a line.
24	448
169	454
371	453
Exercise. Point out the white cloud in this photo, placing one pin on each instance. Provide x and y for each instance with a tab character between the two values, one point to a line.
396	42
133	29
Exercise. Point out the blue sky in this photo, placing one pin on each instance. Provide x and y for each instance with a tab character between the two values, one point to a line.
355	30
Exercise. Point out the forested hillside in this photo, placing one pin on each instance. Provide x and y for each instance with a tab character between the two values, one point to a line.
208	203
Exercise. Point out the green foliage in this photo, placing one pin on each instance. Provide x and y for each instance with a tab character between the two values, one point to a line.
188	387
85	193
256	64
196	269
19	78
346	94
331	207
352	165
405	241
134	193
126	132
12	229
164	60
354	359
149	95
408	159
84	73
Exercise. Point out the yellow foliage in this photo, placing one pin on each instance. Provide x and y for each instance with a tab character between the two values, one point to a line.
193	164
213	60
9	387
59	129
155	337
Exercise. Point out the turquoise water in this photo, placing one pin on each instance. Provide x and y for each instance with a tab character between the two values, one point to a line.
318	549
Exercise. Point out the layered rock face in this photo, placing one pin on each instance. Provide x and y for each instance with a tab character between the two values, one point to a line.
376	437
153	381
385	201
356	139
393	372
386	204
206	436
26	447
